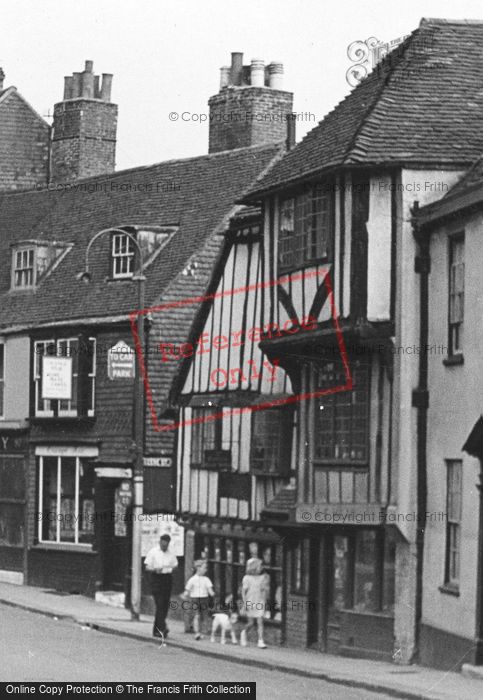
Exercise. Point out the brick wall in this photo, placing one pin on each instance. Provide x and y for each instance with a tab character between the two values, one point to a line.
248	116
83	140
24	145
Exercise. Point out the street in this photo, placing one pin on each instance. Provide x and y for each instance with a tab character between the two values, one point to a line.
35	647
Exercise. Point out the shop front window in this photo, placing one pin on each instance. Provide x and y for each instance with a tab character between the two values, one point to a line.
227	558
66	500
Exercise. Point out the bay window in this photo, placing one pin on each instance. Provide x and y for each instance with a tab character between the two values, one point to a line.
341	429
306	227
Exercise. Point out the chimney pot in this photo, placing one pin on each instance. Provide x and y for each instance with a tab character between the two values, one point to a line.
275	75
224	77
76	84
89	66
106	87
257	73
87	81
236	73
68	87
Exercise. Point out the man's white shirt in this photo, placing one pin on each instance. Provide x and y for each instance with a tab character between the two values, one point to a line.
156	559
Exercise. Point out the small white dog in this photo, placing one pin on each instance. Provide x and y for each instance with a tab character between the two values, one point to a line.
226	622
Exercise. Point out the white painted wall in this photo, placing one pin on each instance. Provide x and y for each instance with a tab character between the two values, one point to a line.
17	375
456	402
424	186
379	249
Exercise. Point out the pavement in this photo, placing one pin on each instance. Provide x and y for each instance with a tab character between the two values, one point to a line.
377	676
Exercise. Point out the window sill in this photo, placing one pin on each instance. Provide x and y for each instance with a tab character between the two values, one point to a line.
63	420
289	269
208	467
449	589
65	547
453	360
368	613
266	474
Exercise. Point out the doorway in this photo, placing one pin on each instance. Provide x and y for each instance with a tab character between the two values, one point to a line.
114	532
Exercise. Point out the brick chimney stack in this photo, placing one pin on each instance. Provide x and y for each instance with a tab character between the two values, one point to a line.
84	128
251	106
2	78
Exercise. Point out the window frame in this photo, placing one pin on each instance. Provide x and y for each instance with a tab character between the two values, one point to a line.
68	412
3	362
453	525
198	431
121	255
300	566
20	251
336	398
322	220
283	441
213	549
41	523
455	345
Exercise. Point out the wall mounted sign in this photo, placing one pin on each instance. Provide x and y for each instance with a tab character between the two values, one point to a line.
13	442
66	451
157	461
217	459
122	501
57	378
121	360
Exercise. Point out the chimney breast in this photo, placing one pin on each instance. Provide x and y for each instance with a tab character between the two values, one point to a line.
84	128
250	107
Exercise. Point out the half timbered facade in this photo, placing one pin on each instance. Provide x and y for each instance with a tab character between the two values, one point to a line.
236	442
338	242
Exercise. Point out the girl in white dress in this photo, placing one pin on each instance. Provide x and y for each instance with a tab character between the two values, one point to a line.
254	597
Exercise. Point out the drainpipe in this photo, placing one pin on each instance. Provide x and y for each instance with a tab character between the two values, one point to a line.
420	400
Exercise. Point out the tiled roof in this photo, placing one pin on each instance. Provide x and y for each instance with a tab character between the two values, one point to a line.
467	193
197	194
422	104
473	178
284	500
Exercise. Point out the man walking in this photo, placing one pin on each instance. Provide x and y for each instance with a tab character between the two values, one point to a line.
161	562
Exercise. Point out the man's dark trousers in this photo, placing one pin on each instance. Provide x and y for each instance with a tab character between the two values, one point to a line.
161	591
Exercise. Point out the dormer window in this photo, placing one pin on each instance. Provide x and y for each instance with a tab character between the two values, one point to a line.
124	250
32	260
122	256
23	273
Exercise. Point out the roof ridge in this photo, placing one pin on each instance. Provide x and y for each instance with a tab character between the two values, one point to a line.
438	20
276	145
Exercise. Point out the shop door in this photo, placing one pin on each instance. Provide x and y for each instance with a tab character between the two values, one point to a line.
12	511
114	533
340	588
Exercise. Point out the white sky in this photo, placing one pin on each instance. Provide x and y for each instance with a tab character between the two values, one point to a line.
165	55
